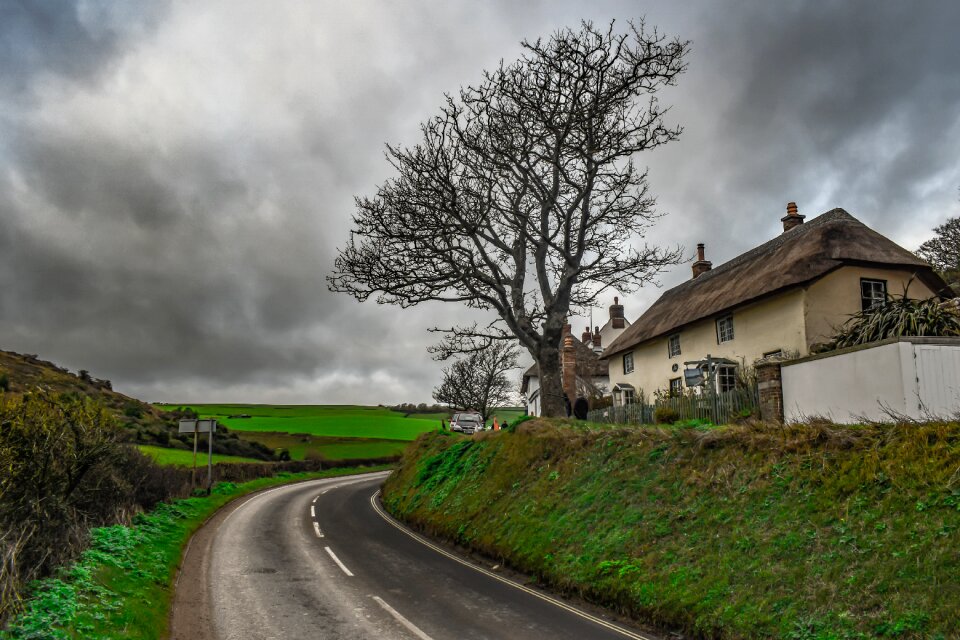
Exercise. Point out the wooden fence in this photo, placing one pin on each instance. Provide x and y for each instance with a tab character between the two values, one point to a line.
718	408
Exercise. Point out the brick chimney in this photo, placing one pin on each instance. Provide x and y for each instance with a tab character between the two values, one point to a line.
568	367
702	265
616	314
596	338
793	218
585	336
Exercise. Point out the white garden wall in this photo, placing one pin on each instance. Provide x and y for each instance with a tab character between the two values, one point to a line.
915	377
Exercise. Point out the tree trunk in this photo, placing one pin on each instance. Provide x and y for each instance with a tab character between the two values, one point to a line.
551	383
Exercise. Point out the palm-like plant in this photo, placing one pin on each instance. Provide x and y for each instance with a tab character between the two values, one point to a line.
899	316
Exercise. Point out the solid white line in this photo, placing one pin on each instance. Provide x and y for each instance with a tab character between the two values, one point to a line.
313	512
412	628
536	594
316	529
337	560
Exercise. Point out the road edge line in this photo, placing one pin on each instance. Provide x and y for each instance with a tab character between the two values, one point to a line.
422	540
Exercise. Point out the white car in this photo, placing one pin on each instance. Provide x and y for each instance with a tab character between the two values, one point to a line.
466	422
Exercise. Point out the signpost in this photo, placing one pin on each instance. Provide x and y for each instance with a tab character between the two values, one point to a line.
195	427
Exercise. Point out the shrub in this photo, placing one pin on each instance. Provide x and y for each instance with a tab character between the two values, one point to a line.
665	415
4	382
900	316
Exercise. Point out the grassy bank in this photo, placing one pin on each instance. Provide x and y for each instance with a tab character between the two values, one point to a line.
122	585
806	532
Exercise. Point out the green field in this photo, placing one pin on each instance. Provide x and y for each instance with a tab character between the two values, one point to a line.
181	458
301	446
338	421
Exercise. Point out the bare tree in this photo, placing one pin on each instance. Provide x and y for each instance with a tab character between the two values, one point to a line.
479	380
943	251
522	197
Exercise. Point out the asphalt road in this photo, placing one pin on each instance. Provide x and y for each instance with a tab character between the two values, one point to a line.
321	560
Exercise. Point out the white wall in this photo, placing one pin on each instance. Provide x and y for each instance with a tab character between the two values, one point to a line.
916	377
533	403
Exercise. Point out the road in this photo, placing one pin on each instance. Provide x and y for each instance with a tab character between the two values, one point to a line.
322	560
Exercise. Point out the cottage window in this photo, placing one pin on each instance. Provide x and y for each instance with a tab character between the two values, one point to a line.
676	386
724	329
726	378
673	345
873	293
628	396
628	362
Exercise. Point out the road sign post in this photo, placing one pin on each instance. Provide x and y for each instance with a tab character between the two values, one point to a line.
195	427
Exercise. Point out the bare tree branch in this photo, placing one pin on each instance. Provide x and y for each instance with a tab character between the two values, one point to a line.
522	197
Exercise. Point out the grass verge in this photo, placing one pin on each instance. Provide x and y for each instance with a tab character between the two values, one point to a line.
122	585
806	532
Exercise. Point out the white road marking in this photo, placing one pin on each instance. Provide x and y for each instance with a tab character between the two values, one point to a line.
315	500
313	512
412	628
337	560
536	594
316	529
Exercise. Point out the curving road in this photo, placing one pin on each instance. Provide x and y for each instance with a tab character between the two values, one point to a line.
321	560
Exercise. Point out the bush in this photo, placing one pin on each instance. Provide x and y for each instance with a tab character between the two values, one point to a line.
4	382
665	415
65	470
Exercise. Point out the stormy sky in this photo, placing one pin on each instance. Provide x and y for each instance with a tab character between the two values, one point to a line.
175	177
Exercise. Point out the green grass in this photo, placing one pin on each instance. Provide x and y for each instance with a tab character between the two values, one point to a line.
122	585
302	445
810	532
339	421
181	458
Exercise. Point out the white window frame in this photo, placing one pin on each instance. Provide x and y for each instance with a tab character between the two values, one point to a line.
873	290
628	362
726	377
725	332
674	339
629	397
676	386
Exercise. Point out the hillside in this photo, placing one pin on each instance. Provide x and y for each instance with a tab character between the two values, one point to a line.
801	532
143	423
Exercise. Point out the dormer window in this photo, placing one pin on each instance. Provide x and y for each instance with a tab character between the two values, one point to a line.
673	345
724	329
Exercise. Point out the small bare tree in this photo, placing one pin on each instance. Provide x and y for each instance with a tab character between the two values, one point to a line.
479	380
522	198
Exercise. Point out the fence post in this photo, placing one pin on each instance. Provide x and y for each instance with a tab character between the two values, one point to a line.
770	390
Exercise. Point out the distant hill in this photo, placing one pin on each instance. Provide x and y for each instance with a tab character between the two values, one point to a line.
143	423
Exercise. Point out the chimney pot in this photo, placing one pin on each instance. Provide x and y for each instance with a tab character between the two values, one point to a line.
793	217
585	336
702	265
596	338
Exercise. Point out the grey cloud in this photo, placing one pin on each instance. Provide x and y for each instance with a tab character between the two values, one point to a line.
173	185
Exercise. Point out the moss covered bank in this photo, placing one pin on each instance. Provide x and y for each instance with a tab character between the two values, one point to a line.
808	531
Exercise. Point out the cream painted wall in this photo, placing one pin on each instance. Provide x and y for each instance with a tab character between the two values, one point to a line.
790	321
836	296
771	324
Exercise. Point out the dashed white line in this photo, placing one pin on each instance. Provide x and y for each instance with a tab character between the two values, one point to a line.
316	529
313	512
337	560
315	500
412	628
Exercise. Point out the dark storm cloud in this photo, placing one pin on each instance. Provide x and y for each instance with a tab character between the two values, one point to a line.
173	186
63	37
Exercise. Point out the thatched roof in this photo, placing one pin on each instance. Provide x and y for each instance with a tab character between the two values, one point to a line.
588	364
794	258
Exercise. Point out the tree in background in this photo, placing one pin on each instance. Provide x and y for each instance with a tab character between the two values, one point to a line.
479	380
943	251
522	196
